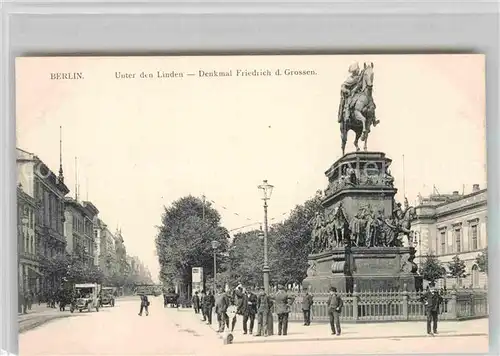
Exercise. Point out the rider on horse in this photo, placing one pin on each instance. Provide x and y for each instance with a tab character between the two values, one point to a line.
351	86
347	89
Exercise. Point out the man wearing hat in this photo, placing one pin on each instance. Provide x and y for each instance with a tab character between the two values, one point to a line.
221	305
307	302
283	302
263	309
237	300
249	310
334	306
432	300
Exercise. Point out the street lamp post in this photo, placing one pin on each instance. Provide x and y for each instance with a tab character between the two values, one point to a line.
215	244
266	190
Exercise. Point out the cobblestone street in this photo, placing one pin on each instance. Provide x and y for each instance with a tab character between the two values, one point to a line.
168	331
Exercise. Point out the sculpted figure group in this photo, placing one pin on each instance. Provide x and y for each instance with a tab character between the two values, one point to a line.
350	179
368	228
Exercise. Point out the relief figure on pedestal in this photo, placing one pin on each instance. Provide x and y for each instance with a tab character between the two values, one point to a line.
403	218
315	234
357	227
388	178
357	108
340	225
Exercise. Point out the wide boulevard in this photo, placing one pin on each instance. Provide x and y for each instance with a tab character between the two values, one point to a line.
168	331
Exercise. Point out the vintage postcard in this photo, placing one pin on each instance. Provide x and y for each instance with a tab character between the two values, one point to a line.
252	205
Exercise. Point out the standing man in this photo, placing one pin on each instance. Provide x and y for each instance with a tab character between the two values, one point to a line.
307	302
196	302
334	305
249	310
283	302
221	305
144	304
432	300
210	306
203	302
263	310
238	303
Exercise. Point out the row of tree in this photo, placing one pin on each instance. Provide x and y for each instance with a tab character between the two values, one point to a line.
190	225
432	269
78	267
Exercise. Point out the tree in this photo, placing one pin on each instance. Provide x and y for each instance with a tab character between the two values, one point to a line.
246	259
457	269
185	238
482	261
292	243
432	269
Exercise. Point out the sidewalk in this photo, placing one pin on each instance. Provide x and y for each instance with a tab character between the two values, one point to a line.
39	315
321	331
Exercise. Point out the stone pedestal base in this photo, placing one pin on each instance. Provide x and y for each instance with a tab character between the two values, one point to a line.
369	269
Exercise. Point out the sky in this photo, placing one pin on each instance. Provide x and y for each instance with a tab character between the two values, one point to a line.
142	143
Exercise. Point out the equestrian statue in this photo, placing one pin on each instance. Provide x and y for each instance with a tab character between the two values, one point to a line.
357	108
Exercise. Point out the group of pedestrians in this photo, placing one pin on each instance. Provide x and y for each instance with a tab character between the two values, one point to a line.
253	306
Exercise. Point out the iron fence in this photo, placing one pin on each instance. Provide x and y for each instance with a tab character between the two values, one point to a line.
395	306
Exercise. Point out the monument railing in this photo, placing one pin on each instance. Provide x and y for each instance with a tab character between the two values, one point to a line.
395	306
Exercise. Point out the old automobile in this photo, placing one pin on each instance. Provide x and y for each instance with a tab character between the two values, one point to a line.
86	297
108	296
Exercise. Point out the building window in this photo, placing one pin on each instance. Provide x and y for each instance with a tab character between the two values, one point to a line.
475	276
473	230
458	240
443	242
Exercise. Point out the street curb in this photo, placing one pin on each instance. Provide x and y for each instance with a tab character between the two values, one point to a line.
39	322
384	337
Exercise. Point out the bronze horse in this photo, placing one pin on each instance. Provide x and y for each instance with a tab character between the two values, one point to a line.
361	111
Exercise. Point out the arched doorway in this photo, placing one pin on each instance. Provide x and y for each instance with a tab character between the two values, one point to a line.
475	276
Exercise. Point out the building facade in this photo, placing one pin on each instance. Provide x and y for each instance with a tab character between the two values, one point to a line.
48	191
29	274
105	253
450	225
79	229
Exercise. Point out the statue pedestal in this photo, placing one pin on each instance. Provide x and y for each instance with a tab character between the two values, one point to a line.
370	269
360	179
359	209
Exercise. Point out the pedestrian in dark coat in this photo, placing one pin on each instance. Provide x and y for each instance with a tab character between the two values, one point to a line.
237	301
334	305
249	309
432	300
196	302
307	302
283	302
210	303
221	304
264	304
144	305
203	301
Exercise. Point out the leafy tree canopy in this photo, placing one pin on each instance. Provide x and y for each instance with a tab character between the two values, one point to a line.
482	261
292	245
432	269
185	238
457	268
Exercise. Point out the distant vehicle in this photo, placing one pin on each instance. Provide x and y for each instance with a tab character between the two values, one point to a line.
171	298
86	297
148	289
107	296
